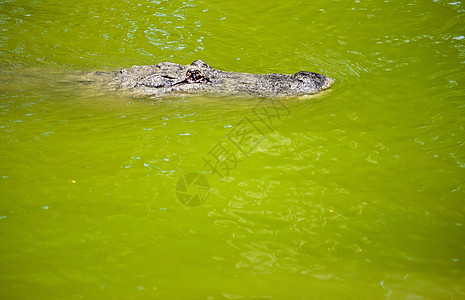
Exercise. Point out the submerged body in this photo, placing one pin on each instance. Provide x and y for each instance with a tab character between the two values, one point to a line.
168	78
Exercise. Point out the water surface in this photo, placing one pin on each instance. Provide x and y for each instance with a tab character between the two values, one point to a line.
357	193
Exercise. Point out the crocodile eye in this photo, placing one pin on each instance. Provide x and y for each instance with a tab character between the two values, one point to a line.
193	76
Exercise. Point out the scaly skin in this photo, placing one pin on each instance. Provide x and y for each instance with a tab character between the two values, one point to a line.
168	78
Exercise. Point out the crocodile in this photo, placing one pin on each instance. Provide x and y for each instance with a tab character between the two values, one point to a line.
169	78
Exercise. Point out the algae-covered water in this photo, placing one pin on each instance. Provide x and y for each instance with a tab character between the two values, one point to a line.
357	193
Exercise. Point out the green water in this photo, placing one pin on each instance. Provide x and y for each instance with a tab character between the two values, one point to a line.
357	193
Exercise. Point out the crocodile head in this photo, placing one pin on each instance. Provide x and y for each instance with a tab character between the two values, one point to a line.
199	78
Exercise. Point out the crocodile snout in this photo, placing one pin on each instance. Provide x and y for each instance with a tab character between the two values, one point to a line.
327	82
